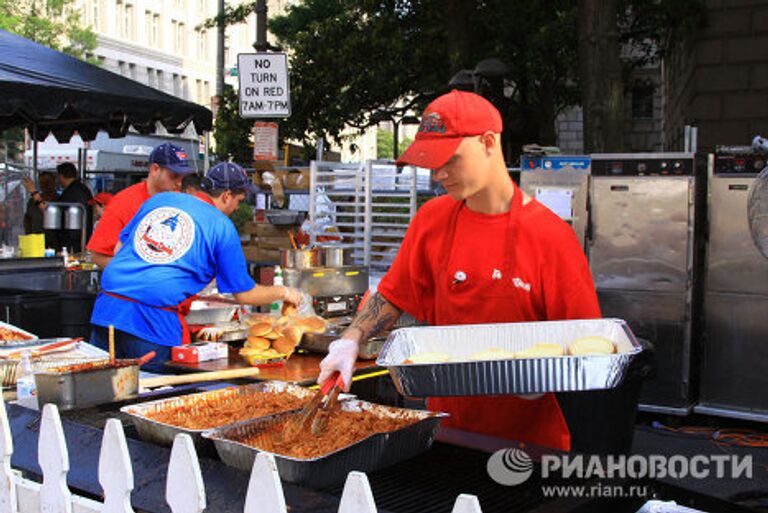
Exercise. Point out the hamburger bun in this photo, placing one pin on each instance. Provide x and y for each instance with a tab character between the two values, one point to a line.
312	324
293	334
493	353
289	310
283	345
428	357
257	318
585	346
273	334
541	350
259	343
260	329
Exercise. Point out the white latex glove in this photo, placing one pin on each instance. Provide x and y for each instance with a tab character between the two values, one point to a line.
293	296
342	355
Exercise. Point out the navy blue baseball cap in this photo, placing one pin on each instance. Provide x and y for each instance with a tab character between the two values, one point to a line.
227	175
171	157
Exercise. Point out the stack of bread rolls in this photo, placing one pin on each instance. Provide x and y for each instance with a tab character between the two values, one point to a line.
584	346
272	337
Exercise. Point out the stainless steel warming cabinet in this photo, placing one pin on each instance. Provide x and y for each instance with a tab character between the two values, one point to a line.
734	379
642	254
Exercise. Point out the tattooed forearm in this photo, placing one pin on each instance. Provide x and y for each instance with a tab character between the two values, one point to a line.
377	315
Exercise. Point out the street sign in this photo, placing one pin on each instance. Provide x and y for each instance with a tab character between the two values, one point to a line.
264	85
264	140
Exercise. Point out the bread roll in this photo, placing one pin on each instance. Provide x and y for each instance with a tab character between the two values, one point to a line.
283	345
260	329
259	343
428	357
313	324
585	346
293	334
493	353
289	310
273	334
541	350
257	318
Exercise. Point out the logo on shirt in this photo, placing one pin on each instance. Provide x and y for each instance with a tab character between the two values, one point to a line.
520	284
164	235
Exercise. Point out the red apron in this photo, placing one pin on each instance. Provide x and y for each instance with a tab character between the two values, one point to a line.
180	310
538	421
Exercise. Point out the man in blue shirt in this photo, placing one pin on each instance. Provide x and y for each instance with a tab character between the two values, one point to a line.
171	249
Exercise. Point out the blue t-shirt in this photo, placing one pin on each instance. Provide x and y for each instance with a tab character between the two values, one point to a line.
172	248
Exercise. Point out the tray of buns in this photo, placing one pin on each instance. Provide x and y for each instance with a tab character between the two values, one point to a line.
360	436
160	421
511	358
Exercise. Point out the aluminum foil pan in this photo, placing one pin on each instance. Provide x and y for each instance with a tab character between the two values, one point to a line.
514	376
161	433
372	453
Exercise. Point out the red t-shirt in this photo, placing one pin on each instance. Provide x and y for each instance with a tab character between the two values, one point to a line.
550	278
116	216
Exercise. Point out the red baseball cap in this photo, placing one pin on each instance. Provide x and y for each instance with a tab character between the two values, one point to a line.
102	198
445	122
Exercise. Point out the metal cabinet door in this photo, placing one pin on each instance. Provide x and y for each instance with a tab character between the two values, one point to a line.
642	230
734	263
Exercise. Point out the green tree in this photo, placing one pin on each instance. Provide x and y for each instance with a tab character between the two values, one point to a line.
53	23
231	132
354	62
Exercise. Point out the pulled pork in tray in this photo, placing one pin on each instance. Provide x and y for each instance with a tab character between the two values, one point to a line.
217	411
344	428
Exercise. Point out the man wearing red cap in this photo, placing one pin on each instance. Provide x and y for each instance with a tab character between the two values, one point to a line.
483	253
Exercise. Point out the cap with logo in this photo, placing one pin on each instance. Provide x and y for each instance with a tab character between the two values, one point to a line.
227	175
171	157
445	122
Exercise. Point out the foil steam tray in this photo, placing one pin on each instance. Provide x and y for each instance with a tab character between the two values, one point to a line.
511	376
377	451
162	433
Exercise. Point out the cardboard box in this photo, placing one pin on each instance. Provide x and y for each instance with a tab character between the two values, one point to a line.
199	352
297	179
273	242
251	252
270	230
269	255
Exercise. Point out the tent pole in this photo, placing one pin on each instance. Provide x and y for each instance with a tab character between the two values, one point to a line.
34	152
207	158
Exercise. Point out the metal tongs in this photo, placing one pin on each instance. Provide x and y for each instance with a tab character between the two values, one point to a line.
317	411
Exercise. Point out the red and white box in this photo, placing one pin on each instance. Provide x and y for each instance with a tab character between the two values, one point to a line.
199	352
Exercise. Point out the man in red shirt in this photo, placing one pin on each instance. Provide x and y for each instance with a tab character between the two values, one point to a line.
167	166
483	253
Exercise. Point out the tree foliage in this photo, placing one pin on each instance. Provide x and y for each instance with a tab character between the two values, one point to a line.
352	59
231	132
53	23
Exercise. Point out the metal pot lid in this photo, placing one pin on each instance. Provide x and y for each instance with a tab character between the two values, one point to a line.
757	211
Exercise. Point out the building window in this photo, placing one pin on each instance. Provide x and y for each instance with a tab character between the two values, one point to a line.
160	79
122	67
206	93
198	91
176	85
119	16
154	32
132	71
179	38
202	6
150	77
184	88
642	99
202	44
128	22
96	14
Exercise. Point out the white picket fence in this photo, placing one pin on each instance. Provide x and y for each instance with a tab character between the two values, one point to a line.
184	489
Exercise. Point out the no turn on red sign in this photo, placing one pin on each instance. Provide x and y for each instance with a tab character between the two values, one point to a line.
264	85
